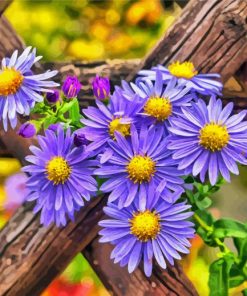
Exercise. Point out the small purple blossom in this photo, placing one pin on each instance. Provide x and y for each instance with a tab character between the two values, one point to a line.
19	94
140	167
101	87
207	139
80	139
60	177
160	231
53	127
71	87
27	130
103	120
53	97
206	84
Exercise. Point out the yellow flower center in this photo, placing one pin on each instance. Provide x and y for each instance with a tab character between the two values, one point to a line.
214	136
116	125
141	169
145	225
160	108
58	170
10	81
182	70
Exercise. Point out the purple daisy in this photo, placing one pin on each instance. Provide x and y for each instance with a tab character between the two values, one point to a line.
103	121
207	139
60	177
141	167
185	75
19	87
159	230
159	101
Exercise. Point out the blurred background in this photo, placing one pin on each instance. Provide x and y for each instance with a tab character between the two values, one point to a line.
96	30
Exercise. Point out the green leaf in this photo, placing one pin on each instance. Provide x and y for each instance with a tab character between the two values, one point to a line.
241	246
74	112
229	228
244	292
203	203
48	121
206	217
66	106
38	108
190	196
236	281
219	275
189	180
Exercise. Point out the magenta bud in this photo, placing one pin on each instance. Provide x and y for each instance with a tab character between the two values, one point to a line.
53	97
71	87
53	127
101	87
80	139
27	130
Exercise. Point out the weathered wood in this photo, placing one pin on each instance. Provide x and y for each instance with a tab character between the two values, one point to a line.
32	255
116	69
118	281
170	49
210	33
9	40
4	4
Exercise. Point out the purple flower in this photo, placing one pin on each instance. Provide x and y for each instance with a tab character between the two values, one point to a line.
160	102
80	139
71	87
141	166
185	75
53	97
27	130
103	120
60	177
101	87
19	88
16	190
207	139
158	231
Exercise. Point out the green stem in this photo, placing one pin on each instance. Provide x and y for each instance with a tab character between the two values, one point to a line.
202	223
209	229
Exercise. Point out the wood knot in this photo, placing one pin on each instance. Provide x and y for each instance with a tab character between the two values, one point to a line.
236	22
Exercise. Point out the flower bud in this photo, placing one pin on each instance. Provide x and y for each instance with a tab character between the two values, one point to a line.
27	130
53	97
80	139
54	126
71	87
101	87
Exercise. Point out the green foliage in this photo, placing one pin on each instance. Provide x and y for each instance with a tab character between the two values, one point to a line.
66	112
219	275
229	228
230	270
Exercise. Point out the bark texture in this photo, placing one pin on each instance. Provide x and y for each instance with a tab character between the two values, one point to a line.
211	33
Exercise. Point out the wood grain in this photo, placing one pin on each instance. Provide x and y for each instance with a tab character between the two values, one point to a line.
210	33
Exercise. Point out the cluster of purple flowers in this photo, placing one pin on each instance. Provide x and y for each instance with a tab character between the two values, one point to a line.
151	134
142	140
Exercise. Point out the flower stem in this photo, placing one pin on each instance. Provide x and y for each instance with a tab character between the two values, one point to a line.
222	246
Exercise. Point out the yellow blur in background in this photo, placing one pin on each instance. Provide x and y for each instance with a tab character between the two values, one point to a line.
65	30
